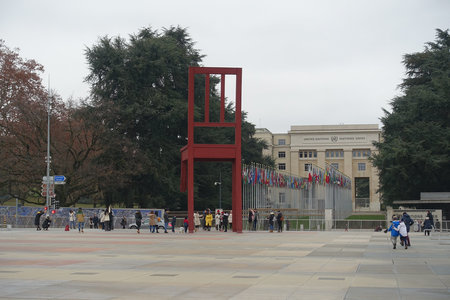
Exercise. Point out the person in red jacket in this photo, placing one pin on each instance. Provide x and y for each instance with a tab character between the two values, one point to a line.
186	224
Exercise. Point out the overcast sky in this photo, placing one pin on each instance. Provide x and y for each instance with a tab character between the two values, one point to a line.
316	62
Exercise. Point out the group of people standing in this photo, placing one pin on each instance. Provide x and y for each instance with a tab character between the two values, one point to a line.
45	224
222	220
253	217
78	219
400	227
153	221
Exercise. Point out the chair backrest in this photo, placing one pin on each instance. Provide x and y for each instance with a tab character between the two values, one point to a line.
206	122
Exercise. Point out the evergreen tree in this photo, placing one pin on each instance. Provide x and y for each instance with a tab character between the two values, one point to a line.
139	92
414	154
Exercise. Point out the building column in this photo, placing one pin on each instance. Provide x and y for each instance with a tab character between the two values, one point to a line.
348	170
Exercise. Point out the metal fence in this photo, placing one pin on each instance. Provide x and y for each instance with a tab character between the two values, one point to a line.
264	187
302	223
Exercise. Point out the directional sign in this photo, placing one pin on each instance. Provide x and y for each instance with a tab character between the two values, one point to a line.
60	179
48	179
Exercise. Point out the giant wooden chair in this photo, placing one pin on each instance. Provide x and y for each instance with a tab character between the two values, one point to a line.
193	152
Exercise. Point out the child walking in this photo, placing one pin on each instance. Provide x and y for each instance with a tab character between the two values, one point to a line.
394	231
403	234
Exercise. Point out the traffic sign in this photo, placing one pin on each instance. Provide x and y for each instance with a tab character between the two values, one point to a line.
51	194
46	179
60	179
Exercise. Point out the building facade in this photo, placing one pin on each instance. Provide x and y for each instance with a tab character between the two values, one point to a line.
346	147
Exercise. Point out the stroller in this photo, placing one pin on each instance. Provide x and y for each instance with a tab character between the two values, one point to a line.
46	223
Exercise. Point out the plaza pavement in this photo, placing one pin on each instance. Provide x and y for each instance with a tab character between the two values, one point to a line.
214	265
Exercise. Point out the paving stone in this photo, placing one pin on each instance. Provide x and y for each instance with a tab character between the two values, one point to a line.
214	265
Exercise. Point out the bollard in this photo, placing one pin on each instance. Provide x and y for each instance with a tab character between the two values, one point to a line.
301	227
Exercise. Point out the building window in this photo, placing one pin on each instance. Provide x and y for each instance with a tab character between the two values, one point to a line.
361	166
335	165
281	197
281	154
281	142
282	166
308	167
307	154
362	192
334	153
361	153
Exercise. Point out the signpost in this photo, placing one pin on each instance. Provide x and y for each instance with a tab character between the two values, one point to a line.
48	185
59	179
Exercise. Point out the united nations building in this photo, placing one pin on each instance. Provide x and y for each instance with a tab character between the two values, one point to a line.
345	147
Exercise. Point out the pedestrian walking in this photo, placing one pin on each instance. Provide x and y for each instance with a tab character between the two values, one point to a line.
174	223
138	219
230	219
408	222
403	234
80	220
251	213
430	217
185	224
106	220
196	221
166	220
225	221
152	221
95	220
72	219
208	220
111	218
217	220
255	219
102	219
394	231
271	221
427	226
280	219
37	219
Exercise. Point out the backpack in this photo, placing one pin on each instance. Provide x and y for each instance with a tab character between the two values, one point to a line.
66	228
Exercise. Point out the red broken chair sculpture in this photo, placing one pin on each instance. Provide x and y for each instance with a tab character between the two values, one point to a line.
193	152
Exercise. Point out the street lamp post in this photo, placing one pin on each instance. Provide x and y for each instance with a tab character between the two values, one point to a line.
220	189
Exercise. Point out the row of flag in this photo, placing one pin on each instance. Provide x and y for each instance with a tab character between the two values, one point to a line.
259	174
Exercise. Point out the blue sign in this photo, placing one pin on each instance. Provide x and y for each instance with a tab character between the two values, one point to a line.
60	178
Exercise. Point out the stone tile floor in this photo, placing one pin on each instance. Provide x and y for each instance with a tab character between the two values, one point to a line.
214	265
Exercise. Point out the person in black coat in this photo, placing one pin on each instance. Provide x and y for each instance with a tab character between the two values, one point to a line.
280	221
225	221
427	226
46	223
138	218
95	220
174	222
430	217
37	219
408	222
